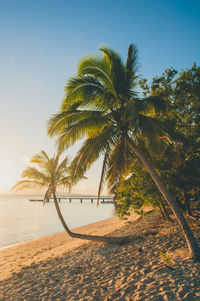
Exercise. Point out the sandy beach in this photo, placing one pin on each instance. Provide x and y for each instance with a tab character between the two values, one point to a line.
154	265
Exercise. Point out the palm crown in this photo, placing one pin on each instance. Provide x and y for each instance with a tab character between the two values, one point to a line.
50	173
103	107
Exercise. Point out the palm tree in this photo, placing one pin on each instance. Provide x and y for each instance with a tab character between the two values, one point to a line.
103	107
52	174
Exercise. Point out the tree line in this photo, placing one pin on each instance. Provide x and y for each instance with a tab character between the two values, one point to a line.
178	160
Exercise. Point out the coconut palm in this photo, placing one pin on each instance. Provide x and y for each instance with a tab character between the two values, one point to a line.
52	174
103	107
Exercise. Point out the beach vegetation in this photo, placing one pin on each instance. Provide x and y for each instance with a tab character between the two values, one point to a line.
166	258
137	192
179	163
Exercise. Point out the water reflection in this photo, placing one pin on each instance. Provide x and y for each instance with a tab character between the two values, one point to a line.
21	220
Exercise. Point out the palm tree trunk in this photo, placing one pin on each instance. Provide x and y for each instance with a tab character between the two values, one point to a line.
187	204
112	240
190	239
102	176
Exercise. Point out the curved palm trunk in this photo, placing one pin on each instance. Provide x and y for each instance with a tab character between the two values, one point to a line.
113	240
191	241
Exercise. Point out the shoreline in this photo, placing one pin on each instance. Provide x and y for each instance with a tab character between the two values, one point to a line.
21	220
40	237
43	248
153	265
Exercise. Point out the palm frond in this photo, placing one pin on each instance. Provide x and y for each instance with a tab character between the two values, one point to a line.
132	67
66	182
85	128
117	69
154	105
132	64
45	155
91	150
22	184
100	68
120	162
57	123
151	130
82	90
35	174
41	159
60	122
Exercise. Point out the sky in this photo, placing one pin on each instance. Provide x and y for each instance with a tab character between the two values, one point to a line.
42	42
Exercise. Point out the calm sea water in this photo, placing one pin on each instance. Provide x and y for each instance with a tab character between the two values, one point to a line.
21	220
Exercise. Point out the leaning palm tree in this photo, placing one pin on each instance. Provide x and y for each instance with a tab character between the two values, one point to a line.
103	107
52	174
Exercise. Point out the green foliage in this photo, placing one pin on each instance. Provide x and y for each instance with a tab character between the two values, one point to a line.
102	108
50	173
179	163
179	160
137	191
166	258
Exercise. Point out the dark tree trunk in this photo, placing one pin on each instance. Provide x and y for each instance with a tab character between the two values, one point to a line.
166	213
191	241
112	240
179	203
187	204
162	212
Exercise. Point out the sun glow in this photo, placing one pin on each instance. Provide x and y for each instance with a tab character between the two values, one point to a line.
7	176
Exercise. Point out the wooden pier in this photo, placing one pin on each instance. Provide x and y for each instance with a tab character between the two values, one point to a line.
103	199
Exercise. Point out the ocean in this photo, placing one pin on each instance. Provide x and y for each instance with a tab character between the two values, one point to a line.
22	220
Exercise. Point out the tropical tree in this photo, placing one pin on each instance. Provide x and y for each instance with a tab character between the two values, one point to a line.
53	174
180	162
102	106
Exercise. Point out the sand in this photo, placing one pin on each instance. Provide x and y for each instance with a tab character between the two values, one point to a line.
154	265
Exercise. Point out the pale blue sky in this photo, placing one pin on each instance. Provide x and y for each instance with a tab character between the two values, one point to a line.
42	42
